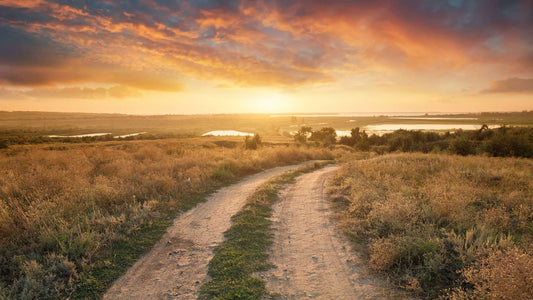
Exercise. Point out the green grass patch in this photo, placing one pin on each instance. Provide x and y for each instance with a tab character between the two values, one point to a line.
244	250
124	253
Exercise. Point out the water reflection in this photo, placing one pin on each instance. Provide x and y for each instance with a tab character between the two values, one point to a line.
227	133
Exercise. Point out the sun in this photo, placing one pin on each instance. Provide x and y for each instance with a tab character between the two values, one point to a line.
271	102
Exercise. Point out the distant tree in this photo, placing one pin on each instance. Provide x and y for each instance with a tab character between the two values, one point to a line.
3	144
346	140
358	139
252	143
511	142
302	134
326	136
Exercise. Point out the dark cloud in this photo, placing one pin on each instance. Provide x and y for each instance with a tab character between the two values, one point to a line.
510	85
20	48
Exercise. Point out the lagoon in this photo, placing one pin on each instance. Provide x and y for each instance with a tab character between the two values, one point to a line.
227	133
80	135
392	127
128	135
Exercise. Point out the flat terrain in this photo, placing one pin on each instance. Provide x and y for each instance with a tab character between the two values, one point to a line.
313	260
50	123
177	265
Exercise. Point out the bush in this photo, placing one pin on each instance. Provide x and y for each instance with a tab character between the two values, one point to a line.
252	143
221	173
462	146
500	275
302	134
326	136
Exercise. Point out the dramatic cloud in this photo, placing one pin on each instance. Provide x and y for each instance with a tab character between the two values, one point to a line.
510	85
157	44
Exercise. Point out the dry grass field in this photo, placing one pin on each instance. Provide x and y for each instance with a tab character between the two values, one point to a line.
65	210
442	226
75	215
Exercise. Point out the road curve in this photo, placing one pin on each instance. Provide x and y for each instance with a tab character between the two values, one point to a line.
313	259
177	265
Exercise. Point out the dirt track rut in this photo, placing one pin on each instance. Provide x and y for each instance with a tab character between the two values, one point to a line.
177	265
313	260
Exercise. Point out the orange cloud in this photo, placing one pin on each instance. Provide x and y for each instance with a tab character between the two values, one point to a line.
22	3
510	85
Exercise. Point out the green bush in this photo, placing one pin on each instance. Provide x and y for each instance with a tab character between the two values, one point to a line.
462	146
502	142
221	173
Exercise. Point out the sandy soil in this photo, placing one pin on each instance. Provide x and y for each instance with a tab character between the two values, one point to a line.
177	265
313	259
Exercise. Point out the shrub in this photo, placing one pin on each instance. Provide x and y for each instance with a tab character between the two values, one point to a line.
302	134
221	173
504	274
252	143
326	136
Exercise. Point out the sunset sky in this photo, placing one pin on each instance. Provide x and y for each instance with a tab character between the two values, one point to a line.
206	56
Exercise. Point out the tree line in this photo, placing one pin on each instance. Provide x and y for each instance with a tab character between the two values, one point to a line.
503	141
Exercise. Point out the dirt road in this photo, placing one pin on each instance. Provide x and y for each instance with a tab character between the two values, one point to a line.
313	260
177	265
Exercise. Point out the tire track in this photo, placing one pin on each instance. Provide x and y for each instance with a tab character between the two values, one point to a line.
177	265
313	259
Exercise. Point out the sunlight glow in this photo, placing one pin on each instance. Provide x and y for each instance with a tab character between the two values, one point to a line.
270	102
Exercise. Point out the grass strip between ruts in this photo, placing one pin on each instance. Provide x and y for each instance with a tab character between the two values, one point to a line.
244	250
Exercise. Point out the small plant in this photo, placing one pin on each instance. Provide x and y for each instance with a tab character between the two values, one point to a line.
221	173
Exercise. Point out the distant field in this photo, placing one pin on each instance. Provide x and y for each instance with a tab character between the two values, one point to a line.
45	123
